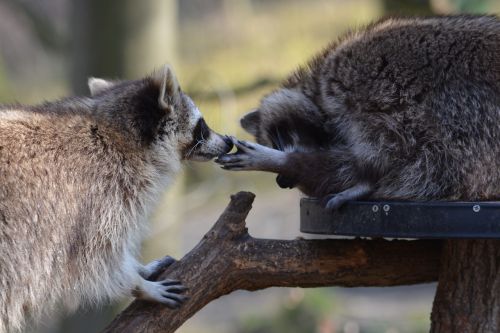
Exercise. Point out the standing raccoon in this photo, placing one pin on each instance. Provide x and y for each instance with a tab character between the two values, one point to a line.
405	109
79	178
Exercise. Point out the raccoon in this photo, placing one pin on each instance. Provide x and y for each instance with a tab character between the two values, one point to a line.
79	178
406	109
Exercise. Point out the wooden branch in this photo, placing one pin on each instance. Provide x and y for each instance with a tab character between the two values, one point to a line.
228	259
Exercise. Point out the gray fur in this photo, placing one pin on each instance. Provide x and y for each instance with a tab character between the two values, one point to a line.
79	178
409	107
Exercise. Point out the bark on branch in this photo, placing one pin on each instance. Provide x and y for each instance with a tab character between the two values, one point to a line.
228	259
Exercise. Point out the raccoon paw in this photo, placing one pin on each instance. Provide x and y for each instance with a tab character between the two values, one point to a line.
241	160
167	292
334	201
234	162
251	156
151	270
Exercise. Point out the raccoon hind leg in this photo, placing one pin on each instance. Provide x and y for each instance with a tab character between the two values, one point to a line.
335	201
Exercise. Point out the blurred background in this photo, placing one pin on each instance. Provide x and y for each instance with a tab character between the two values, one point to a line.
227	54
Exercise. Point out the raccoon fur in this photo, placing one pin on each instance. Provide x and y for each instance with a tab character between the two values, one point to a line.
79	178
407	109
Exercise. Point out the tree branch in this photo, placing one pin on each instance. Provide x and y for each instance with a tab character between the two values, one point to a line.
228	259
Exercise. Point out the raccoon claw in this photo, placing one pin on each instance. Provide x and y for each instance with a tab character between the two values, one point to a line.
243	145
167	292
170	295
231	162
240	160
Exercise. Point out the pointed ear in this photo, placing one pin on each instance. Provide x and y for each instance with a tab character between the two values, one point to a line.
98	85
251	122
170	91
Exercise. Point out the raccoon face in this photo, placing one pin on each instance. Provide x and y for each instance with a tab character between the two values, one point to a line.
285	120
160	115
260	123
198	141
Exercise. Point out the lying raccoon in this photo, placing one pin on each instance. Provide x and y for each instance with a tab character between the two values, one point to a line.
404	109
79	178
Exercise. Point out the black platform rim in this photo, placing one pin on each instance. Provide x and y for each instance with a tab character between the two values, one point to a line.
425	219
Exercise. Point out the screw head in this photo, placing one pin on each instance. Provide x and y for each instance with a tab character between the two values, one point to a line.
374	208
476	208
386	208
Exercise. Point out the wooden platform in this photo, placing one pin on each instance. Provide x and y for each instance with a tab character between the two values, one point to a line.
396	219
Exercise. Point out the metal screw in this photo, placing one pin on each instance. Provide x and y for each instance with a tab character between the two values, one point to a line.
375	208
476	208
386	208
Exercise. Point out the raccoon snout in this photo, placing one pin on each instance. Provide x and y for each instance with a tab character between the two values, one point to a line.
205	150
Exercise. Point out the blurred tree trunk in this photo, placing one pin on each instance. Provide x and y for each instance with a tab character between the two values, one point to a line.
116	39
408	7
98	41
468	294
151	37
120	38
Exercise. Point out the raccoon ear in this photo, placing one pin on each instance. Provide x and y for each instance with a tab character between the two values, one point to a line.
170	91
97	85
251	122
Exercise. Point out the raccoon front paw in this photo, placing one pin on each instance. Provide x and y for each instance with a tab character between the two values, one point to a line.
243	159
167	292
235	162
251	156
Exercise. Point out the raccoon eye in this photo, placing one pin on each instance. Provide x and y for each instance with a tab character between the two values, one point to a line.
201	130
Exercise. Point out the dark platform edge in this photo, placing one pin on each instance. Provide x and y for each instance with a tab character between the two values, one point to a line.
400	219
